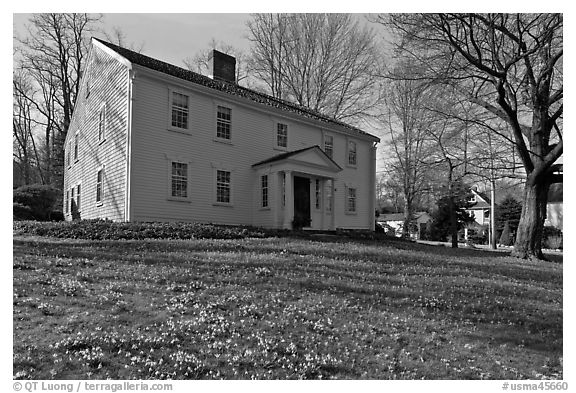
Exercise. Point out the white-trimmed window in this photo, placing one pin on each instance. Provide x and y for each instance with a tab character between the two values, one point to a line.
73	206
100	186
69	153
179	180
329	145
78	199
350	200
223	187
317	194
352	153
67	202
282	135
76	137
223	122
264	188
179	108
102	124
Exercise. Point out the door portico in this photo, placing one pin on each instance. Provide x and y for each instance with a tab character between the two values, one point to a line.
294	171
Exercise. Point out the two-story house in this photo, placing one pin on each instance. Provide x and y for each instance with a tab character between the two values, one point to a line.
150	141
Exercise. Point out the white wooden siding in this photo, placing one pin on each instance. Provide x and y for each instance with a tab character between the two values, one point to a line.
253	139
108	81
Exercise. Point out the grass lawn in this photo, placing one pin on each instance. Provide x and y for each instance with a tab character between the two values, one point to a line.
281	308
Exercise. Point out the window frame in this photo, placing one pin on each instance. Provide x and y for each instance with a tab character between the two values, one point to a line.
223	122
69	155
348	197
326	136
72	199
349	151
171	179
169	160
76	146
224	185
217	167
265	192
67	202
78	197
100	172
286	127
171	126
102	120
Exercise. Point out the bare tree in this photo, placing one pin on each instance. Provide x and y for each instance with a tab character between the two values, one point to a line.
200	63
25	152
269	34
407	123
326	62
450	139
119	37
52	53
511	66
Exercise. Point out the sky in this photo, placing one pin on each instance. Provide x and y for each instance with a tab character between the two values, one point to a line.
170	37
173	37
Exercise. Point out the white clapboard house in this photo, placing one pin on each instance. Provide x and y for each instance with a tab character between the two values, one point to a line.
150	141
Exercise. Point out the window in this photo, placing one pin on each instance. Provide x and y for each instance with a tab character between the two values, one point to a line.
351	200
223	122
222	186
282	135
264	181
179	110
317	194
99	188
67	202
351	153
73	206
76	146
179	188
102	124
329	145
69	153
78	197
329	196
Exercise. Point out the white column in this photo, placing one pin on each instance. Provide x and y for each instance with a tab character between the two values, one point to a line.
333	192
372	189
289	198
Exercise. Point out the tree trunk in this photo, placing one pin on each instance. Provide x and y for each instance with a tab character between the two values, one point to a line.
453	222
452	207
529	236
407	218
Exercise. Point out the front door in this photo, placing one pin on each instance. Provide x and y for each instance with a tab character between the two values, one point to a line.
301	202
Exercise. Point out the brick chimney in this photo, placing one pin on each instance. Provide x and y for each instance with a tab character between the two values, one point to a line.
223	66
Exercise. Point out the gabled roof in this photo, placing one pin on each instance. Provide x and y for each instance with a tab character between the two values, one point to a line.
482	200
227	87
290	154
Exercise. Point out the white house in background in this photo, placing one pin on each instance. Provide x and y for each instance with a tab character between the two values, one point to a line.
555	206
150	141
480	207
395	221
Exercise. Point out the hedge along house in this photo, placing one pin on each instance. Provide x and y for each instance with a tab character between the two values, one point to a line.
150	141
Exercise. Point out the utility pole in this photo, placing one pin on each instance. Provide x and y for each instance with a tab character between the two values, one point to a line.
493	213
